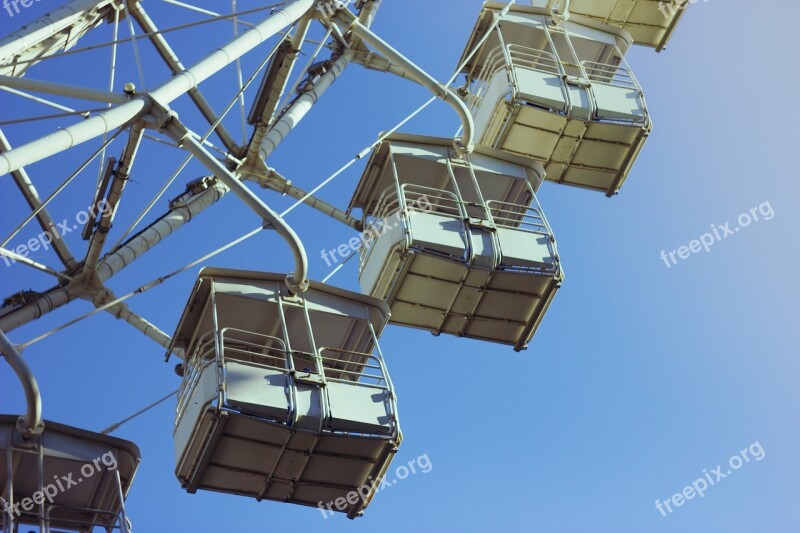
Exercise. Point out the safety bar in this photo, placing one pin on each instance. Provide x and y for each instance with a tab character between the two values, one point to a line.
265	351
517	216
615	75
497	59
205	352
439	201
442	202
370	375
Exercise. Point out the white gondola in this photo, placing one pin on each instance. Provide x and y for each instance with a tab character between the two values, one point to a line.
459	245
650	22
83	476
284	397
562	94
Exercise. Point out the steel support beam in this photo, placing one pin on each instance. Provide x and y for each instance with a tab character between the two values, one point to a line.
171	59
200	196
164	94
303	104
271	179
60	29
122	312
121	175
33	264
47	224
277	80
184	208
60	89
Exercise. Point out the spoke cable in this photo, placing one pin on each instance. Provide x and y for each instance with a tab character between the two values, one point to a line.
113	427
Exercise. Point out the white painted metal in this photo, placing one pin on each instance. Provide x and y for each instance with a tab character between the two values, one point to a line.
269	178
31	424
300	108
28	190
61	89
280	69
459	243
467	141
184	209
28	466
286	393
650	22
59	30
164	94
266	143
120	174
171	59
298	280
560	93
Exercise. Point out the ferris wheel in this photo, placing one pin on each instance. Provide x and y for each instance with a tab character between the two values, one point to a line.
449	232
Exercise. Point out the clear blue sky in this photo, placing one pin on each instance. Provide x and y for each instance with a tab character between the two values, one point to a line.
640	376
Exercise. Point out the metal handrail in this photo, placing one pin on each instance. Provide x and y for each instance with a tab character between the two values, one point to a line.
201	342
202	359
193	371
256	346
518	55
389	203
332	365
456	207
387	198
532	58
515	55
517	216
357	376
537	59
77	510
608	74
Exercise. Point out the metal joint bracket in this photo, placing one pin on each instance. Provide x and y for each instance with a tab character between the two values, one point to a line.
296	287
29	432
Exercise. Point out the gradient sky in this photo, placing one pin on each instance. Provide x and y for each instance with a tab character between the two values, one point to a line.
640	377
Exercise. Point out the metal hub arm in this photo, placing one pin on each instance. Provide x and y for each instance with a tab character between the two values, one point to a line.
298	281
465	143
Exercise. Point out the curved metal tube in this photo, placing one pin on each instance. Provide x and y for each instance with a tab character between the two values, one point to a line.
465	143
31	424
298	281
